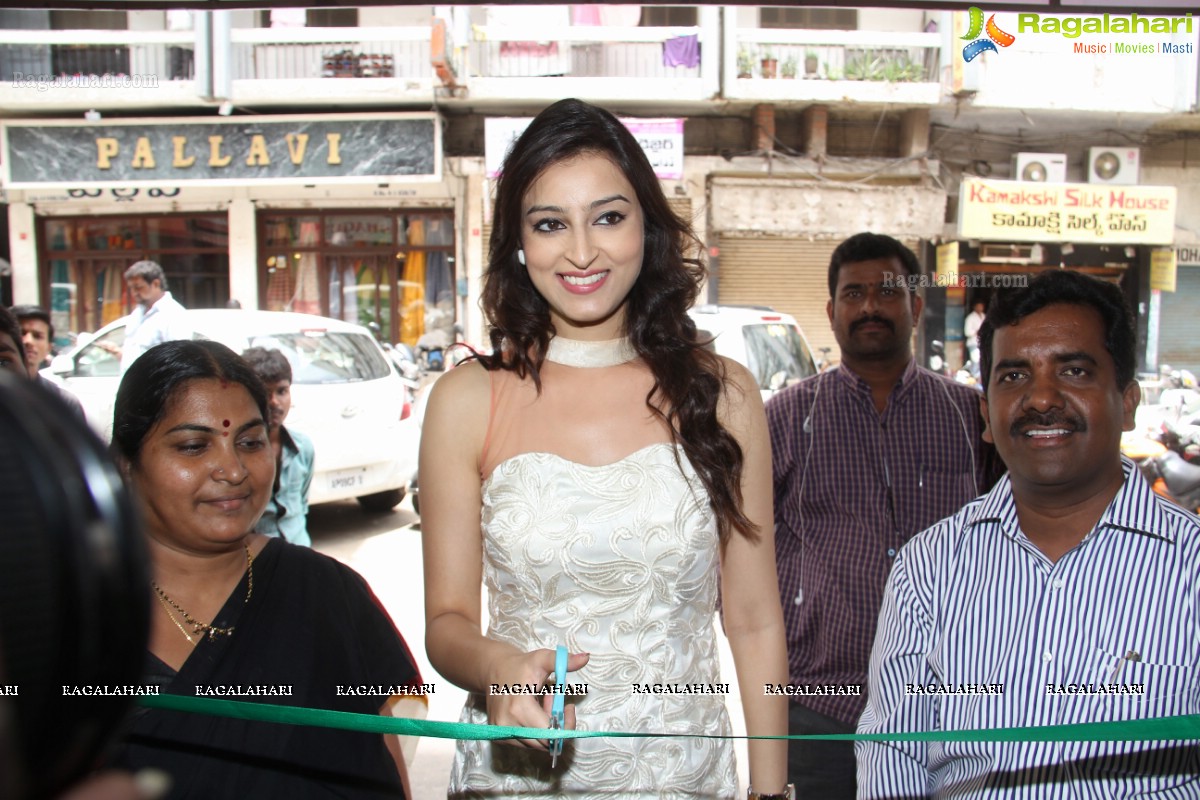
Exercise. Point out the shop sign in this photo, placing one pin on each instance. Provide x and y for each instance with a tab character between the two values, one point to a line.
1162	270
234	150
947	263
1020	211
1187	256
661	140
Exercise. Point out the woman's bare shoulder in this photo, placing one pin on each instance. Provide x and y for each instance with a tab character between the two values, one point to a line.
740	397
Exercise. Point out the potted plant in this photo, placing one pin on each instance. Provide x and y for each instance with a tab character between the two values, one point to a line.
811	63
745	64
788	68
769	64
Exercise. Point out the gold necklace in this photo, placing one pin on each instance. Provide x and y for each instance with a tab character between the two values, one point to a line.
200	628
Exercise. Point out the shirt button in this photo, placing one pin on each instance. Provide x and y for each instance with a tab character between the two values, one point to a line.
1057	583
1047	656
891	552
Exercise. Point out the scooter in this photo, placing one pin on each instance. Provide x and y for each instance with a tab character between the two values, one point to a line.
1175	479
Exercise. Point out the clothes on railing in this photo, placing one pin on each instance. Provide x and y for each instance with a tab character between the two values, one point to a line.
682	51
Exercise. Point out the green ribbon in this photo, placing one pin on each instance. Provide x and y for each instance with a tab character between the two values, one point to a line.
1184	727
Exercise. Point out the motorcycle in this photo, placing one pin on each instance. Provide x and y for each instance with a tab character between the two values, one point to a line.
1174	478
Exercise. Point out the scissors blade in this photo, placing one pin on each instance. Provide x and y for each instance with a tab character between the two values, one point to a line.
556	745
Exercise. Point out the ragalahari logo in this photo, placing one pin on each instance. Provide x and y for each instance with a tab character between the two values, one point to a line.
995	36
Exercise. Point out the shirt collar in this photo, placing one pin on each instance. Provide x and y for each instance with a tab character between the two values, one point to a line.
1134	509
856	383
287	439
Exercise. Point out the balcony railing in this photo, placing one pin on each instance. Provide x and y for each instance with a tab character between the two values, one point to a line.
52	58
860	65
586	52
284	66
336	53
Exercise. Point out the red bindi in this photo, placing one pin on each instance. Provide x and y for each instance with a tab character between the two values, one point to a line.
225	423
224	433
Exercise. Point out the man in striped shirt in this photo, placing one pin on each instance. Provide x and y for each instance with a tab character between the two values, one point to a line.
865	456
1069	593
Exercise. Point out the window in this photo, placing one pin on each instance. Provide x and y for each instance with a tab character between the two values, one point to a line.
100	358
324	357
84	261
332	18
68	20
89	59
843	19
670	17
393	271
776	355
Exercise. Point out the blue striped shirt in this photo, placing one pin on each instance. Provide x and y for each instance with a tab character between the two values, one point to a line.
979	629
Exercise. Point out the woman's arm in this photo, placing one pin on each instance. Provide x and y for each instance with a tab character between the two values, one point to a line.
392	742
452	437
749	588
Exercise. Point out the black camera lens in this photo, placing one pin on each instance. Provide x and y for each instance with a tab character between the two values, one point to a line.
74	607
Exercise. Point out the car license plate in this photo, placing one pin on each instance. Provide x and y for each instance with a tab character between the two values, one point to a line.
343	479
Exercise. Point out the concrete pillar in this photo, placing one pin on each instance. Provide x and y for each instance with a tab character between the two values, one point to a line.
474	260
764	127
914	132
22	251
243	252
816	128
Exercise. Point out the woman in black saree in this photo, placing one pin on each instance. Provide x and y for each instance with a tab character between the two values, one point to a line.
236	614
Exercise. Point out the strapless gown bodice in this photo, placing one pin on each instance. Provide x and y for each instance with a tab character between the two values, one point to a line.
619	561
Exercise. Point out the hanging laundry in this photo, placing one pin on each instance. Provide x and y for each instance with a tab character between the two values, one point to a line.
682	51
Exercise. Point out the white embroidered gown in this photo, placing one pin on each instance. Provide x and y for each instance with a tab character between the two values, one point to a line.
618	560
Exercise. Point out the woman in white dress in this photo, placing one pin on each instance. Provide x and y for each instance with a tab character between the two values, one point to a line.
603	473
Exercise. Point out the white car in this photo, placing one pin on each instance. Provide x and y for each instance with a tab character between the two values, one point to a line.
345	395
768	343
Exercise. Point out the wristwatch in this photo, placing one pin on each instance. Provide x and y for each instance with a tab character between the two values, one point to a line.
788	793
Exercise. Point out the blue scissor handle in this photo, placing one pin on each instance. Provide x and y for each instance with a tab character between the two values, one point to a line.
558	707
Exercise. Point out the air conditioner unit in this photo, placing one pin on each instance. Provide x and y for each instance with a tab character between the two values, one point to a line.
1113	165
1040	167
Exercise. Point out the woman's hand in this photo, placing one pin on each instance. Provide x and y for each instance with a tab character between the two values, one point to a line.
524	710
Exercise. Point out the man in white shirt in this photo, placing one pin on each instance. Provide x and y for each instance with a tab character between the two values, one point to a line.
1067	594
158	317
971	326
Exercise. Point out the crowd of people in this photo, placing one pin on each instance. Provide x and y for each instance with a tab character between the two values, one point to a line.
888	551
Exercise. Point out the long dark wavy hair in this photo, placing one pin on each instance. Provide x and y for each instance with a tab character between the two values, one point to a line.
688	379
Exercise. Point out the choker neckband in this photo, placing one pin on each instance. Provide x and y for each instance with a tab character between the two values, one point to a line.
580	353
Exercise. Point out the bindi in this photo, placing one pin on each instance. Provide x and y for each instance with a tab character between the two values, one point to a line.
224	423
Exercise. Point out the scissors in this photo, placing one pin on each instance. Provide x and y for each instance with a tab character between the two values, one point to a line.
557	709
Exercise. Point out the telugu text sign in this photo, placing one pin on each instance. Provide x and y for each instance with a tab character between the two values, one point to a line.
1019	211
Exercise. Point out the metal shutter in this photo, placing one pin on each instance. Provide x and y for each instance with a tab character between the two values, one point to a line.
789	275
1179	324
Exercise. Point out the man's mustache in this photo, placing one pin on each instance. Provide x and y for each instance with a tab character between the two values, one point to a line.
858	323
1051	419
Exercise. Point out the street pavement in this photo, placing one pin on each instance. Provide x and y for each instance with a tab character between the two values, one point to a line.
386	550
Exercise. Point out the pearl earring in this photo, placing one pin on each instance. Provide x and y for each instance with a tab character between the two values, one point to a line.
521	257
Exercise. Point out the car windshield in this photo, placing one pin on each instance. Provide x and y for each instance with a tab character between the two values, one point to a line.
776	355
319	356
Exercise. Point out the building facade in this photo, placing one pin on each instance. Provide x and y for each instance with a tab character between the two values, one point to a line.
291	160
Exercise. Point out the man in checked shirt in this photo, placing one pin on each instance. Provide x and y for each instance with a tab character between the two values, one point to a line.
865	456
1071	586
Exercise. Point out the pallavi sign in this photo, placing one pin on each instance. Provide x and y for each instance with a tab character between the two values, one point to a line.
329	148
1019	211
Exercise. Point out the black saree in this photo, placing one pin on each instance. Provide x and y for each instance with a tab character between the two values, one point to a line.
311	626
